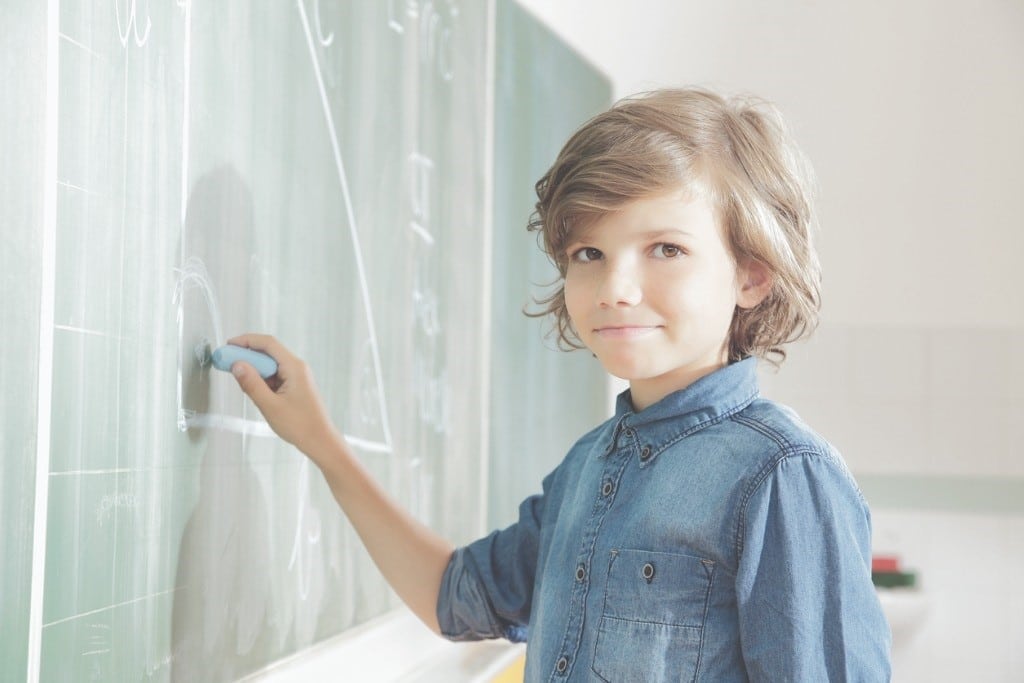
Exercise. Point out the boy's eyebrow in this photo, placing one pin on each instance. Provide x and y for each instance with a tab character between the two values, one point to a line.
666	232
649	235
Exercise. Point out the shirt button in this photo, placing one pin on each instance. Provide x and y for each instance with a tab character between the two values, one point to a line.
606	489
581	573
562	664
648	572
645	453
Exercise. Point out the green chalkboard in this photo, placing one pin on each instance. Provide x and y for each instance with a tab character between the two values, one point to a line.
353	177
543	398
316	170
22	152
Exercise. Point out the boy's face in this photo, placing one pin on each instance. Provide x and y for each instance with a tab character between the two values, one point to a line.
651	290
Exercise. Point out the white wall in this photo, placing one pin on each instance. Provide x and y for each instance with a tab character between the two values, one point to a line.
911	113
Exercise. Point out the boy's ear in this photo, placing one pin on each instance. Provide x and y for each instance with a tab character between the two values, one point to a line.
755	283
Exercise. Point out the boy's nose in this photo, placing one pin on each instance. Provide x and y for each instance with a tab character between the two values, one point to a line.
619	287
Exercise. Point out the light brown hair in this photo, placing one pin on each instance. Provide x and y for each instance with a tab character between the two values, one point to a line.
738	153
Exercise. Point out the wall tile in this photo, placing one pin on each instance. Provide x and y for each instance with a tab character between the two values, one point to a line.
966	567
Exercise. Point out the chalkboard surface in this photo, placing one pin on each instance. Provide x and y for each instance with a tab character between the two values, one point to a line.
175	173
22	144
543	399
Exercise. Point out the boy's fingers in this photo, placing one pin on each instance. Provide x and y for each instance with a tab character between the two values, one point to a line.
265	343
252	384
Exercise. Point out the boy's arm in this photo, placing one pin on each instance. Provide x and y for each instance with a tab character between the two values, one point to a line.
410	556
807	607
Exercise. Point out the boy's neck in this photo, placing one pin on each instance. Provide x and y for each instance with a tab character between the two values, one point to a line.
646	392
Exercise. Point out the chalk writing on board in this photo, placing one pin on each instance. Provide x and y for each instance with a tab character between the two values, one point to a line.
430	385
419	195
154	667
96	651
394	17
131	28
98	642
368	391
425	306
424	299
321	38
434	27
96	673
110	502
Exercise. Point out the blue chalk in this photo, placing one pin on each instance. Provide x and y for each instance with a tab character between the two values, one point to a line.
226	356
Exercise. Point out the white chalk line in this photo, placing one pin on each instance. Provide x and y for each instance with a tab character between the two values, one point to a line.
486	329
133	25
191	275
229	423
72	186
44	389
366	445
56	622
116	470
422	232
64	36
85	331
249	427
186	113
350	212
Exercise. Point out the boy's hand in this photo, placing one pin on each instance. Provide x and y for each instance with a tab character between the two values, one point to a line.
288	400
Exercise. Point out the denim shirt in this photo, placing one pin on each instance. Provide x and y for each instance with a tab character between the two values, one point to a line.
712	536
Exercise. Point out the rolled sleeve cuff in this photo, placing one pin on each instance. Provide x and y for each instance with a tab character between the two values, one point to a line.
464	611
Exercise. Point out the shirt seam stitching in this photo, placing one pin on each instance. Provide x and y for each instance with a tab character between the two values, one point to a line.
784	453
721	417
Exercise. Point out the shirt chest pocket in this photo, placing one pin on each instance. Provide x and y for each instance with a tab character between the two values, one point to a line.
652	624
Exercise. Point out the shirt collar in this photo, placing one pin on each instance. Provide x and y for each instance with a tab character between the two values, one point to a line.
706	401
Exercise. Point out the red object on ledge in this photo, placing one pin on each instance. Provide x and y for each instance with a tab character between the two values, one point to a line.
885	563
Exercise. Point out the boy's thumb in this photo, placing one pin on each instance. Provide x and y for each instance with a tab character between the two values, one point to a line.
252	384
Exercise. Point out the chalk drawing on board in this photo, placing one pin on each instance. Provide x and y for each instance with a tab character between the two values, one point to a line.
198	312
321	38
194	292
132	27
364	290
216	235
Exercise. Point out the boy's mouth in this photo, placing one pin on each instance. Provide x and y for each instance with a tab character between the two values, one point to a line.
625	331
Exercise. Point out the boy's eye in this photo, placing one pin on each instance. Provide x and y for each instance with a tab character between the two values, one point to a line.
667	251
586	255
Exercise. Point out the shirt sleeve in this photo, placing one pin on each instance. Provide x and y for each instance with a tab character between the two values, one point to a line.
807	608
487	588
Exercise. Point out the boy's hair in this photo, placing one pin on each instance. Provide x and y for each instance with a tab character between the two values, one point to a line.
737	153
